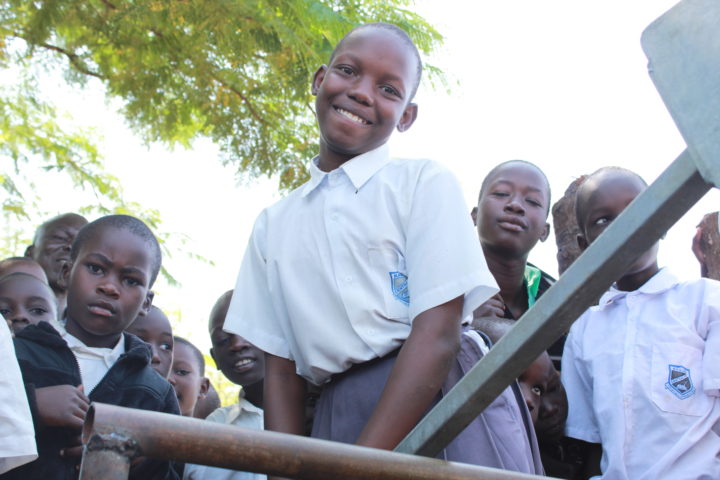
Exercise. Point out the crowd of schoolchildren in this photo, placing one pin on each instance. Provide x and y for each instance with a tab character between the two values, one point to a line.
362	298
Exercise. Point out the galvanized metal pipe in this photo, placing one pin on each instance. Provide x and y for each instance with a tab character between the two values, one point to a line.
189	440
642	224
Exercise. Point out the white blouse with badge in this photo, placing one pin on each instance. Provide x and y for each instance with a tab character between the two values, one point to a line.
335	273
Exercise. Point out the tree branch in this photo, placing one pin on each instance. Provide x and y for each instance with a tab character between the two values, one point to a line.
237	92
108	4
74	60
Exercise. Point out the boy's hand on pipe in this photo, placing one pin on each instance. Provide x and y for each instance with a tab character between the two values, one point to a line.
62	405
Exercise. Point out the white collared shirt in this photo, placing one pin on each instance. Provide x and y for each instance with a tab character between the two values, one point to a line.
94	362
642	373
242	414
16	425
335	273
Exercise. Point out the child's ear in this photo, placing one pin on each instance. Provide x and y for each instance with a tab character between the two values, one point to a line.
582	241
147	303
30	250
204	387
318	79
546	232
408	117
64	277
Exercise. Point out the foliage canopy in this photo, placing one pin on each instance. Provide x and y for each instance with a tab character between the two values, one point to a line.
236	71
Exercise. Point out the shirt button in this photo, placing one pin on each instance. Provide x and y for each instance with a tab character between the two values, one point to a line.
334	216
348	279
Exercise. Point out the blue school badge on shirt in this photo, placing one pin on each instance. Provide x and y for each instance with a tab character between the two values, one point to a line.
399	286
679	382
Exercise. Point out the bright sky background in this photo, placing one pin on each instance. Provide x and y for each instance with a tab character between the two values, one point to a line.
561	83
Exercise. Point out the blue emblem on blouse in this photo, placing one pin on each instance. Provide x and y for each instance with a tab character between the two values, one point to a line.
679	382
399	287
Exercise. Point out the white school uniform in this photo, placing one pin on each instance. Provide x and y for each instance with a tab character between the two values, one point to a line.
335	273
242	414
16	425
94	362
642	373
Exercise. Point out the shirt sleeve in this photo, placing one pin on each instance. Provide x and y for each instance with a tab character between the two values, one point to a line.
443	254
15	420
711	354
251	314
581	422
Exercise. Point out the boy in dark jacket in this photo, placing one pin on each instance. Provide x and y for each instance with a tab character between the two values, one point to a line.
115	261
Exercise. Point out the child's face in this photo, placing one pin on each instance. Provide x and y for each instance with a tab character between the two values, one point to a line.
239	360
186	378
550	424
363	95
107	286
601	200
52	249
534	383
25	300
154	328
512	210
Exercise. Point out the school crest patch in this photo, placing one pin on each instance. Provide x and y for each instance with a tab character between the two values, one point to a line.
399	287
680	382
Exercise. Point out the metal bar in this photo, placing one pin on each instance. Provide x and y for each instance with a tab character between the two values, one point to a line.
683	47
107	456
189	440
642	224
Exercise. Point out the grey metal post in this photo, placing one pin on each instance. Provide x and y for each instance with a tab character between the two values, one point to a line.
683	47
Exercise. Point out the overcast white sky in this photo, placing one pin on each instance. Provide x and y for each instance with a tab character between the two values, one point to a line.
563	84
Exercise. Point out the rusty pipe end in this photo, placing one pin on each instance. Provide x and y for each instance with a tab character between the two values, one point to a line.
89	424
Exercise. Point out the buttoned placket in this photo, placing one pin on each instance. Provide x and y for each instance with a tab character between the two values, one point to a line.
631	352
338	192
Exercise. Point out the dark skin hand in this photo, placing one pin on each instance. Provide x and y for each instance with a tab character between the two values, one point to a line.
419	372
63	406
493	308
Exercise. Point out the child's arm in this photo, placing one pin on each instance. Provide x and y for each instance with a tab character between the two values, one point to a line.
421	368
284	396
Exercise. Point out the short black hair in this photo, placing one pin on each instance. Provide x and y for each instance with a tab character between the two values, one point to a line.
121	222
220	303
196	351
579	195
402	35
492	172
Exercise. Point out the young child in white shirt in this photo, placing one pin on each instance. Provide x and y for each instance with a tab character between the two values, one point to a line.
360	279
642	368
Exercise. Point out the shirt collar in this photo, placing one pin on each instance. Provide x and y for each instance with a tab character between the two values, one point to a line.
237	409
359	169
663	280
110	355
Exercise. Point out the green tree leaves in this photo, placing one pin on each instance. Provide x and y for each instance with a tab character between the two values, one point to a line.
236	71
